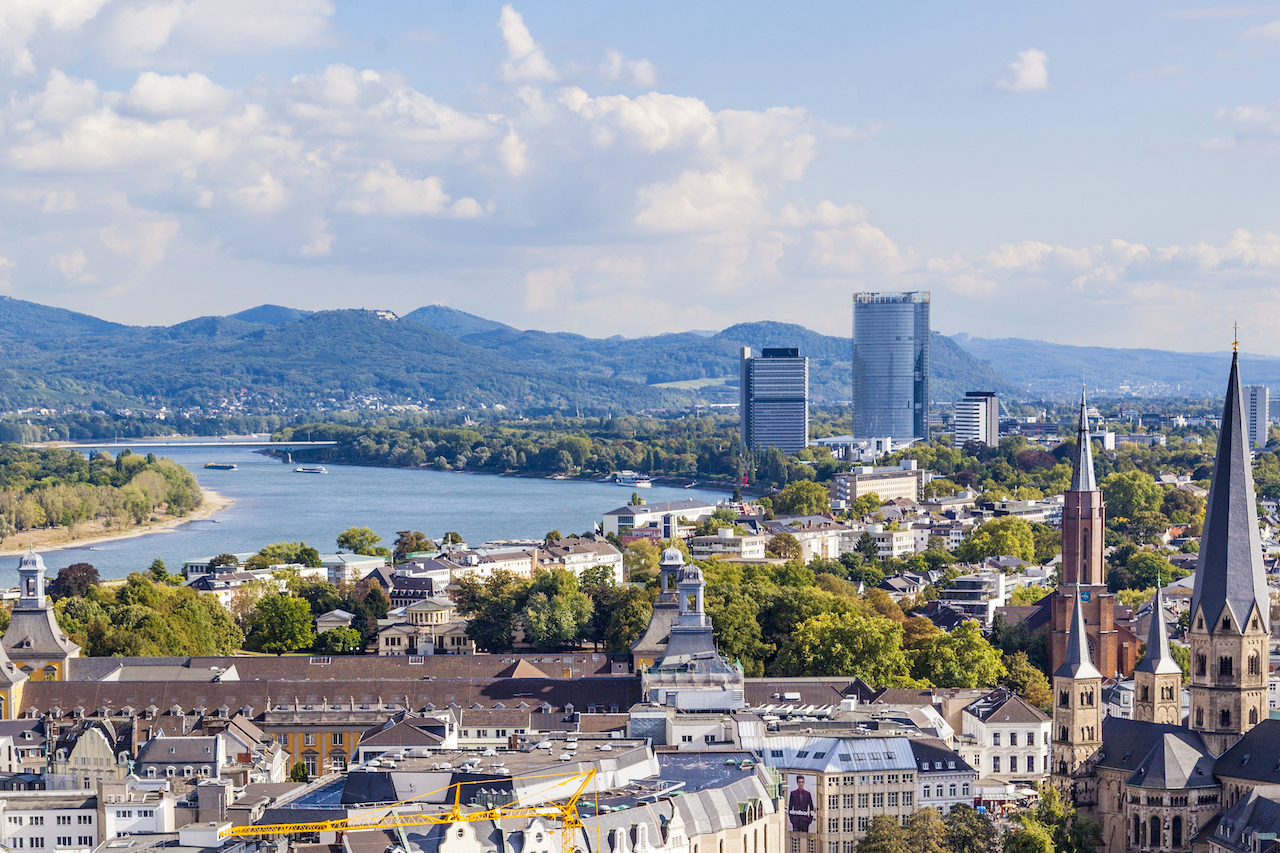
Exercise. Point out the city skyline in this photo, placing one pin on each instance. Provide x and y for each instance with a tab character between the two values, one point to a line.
1092	176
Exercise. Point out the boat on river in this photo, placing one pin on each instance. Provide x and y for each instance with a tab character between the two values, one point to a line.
220	466
634	480
310	469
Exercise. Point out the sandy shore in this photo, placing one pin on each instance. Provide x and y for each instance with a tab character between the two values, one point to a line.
94	533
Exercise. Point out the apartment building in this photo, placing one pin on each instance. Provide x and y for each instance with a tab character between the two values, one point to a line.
728	544
904	480
1006	738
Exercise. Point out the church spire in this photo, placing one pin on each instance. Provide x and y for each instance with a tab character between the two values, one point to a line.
1158	660
1082	479
1077	662
1230	576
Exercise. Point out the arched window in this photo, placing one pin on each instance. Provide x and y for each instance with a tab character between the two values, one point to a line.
1226	666
1253	664
1146	693
1137	838
1064	699
1253	716
1155	832
1224	718
1226	622
1062	734
1201	663
1199	716
151	773
1176	840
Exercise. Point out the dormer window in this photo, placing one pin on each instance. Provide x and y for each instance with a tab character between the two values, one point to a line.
1226	622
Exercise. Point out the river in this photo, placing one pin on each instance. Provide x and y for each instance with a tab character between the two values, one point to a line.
274	504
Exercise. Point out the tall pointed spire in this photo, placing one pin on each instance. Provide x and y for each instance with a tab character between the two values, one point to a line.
1082	479
1158	660
1077	662
1229	574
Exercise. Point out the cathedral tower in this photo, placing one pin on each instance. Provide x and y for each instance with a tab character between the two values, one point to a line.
1230	606
1158	678
1077	715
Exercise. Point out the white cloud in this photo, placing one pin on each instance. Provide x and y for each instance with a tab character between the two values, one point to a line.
72	264
20	19
321	242
1264	31
159	95
59	201
633	72
268	195
142	242
383	191
1030	72
513	153
525	62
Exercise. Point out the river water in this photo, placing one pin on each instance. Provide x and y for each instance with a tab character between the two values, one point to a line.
274	504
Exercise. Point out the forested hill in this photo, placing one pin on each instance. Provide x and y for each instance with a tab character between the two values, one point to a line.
273	359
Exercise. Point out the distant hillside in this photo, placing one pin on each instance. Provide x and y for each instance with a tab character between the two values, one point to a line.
271	315
1056	370
452	322
20	318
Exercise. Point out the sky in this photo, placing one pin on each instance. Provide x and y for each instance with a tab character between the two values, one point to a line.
1086	173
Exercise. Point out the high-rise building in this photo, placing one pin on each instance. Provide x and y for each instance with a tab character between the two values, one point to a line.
891	365
774	399
1257	411
977	418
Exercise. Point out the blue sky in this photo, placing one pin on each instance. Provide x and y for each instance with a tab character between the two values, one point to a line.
1082	173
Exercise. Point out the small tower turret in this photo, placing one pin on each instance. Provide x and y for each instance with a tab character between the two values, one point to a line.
1077	713
1158	678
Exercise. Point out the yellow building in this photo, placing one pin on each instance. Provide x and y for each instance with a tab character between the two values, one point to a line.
33	641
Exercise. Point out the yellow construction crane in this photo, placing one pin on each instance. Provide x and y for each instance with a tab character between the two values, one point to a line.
566	813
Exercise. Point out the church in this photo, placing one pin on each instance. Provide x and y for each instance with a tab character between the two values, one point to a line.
1157	781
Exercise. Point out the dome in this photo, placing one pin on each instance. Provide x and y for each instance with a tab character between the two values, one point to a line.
31	560
691	574
672	557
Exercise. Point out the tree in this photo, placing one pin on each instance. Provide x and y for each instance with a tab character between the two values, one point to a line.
640	559
339	641
494	608
453	537
552	537
556	612
968	831
410	542
864	505
160	573
925	832
635	500
358	540
803	497
1008	535
75	580
1150	569
228	560
883	836
280	624
1130	492
286	553
868	549
1027	681
299	773
784	545
320	595
1030	837
961	658
852	644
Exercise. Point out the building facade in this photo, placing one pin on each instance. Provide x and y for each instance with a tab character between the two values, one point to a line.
1257	410
891	365
977	418
773	402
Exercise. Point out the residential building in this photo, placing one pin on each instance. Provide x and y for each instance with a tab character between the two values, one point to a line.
905	480
1006	738
895	543
181	758
978	418
77	821
333	619
891	365
582	553
977	595
727	543
773	405
1257	414
664	516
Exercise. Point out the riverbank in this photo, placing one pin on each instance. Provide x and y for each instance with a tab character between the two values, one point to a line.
94	533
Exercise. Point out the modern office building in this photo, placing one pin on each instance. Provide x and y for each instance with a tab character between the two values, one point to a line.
774	399
1257	410
978	418
891	365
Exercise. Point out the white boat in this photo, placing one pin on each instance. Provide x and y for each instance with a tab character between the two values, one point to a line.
634	480
310	469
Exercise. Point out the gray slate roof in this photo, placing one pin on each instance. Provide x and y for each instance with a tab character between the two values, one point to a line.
1158	660
1230	572
1076	662
1178	760
1250	820
1082	479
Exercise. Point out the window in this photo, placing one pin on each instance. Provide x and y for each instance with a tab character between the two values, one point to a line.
686	738
122	813
847	824
1201	663
84	840
64	841
1031	764
337	739
1224	718
995	738
1064	699
1013	738
1253	664
776	753
906	798
15	820
1013	764
833	824
893	778
833	847
877	801
833	801
862	801
893	799
1225	665
37	820
1062	733
953	789
1177	821
309	739
15	842
310	762
84	819
64	820
146	812
848	801
877	779
1253	716
38	841
862	824
1199	716
964	789
283	740
1146	693
1226	622
995	764
1031	738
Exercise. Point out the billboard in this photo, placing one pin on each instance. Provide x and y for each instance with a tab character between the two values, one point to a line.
800	812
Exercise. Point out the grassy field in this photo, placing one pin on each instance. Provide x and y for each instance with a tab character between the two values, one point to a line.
694	384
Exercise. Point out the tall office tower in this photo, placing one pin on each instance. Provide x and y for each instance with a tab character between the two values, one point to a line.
774	399
1257	411
891	365
978	418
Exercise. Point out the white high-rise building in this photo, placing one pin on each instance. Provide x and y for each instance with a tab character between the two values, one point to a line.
977	418
1257	399
774	399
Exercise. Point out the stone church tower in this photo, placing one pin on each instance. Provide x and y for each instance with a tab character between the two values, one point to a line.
1114	647
1077	715
1157	687
1230	605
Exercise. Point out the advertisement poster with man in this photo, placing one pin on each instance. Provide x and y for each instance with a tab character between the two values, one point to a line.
800	812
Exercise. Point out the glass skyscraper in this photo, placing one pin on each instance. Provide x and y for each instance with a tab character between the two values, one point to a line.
891	365
774	397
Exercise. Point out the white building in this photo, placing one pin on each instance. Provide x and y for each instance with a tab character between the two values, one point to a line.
904	480
1257	411
1006	738
664	516
726	543
76	821
978	595
978	418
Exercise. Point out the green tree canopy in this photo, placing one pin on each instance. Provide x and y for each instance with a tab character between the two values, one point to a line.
884	835
410	542
1008	535
803	497
360	540
850	643
1027	681
339	641
1130	492
784	545
959	658
280	624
